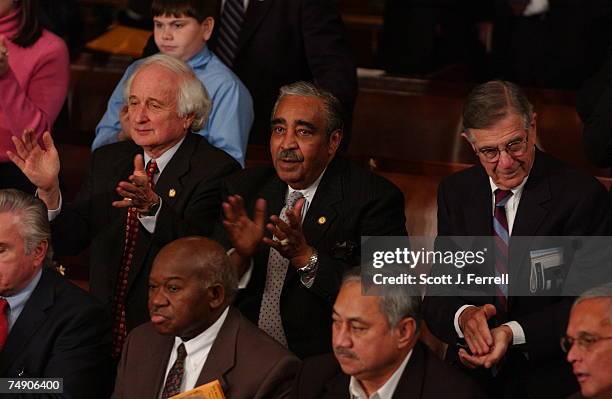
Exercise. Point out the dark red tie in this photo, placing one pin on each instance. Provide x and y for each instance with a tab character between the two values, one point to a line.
132	227
175	375
501	235
4	330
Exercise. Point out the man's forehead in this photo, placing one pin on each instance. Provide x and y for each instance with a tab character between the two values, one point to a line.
294	107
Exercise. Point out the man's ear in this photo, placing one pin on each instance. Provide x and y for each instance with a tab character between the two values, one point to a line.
187	121
207	28
465	135
334	142
216	296
533	128
406	330
40	252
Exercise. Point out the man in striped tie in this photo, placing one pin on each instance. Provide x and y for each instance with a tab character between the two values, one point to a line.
517	190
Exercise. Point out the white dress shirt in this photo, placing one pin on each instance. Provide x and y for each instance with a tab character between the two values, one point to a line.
17	302
197	349
518	334
536	7
384	392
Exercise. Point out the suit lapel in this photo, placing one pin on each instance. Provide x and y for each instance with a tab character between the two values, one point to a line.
223	352
154	364
479	214
337	388
532	211
255	14
329	193
411	381
170	179
33	315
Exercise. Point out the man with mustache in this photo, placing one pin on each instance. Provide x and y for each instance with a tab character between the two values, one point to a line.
588	342
321	205
517	190
377	353
195	336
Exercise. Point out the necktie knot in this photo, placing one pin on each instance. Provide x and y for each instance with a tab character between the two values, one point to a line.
502	197
152	168
3	305
293	198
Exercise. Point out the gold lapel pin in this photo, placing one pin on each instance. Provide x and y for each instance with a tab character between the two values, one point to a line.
172	193
322	220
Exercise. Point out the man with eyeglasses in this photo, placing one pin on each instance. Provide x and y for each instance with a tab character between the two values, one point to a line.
588	342
516	190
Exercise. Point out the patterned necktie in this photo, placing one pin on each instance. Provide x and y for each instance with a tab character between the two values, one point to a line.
269	312
501	236
175	375
4	330
229	31
132	227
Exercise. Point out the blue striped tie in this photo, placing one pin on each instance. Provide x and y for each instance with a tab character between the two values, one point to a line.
229	31
501	237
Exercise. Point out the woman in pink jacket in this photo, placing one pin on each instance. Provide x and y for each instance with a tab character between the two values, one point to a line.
34	75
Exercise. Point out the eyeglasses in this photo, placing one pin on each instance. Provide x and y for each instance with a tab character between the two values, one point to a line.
584	341
514	148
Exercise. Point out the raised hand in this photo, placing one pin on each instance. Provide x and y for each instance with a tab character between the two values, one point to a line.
40	165
137	192
290	241
245	234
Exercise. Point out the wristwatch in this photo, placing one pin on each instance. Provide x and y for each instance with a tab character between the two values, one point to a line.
312	263
152	209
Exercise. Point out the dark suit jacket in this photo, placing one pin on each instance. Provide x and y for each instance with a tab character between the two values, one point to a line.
248	363
556	201
425	377
284	41
352	203
62	332
189	188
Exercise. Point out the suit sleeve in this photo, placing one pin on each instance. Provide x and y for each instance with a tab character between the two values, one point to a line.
277	384
382	215
439	310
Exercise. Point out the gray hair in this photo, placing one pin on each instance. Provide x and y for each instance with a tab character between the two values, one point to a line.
332	106
490	102
397	303
192	97
603	291
33	223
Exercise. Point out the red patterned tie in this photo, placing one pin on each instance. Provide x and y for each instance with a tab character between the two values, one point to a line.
175	375
4	306
501	236
132	227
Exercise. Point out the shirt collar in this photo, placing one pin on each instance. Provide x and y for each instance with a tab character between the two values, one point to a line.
384	392
309	191
518	190
17	302
200	59
164	158
205	339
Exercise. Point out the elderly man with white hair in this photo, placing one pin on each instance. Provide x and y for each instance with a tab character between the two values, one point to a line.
126	211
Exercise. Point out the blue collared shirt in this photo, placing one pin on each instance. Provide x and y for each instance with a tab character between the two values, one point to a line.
230	119
18	301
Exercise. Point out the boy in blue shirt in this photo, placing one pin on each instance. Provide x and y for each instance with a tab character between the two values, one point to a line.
181	29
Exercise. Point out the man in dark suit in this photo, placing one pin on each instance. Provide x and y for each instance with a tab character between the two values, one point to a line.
516	191
125	212
49	328
276	42
294	277
377	353
195	337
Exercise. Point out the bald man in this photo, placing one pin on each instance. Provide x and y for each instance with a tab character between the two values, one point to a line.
195	336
